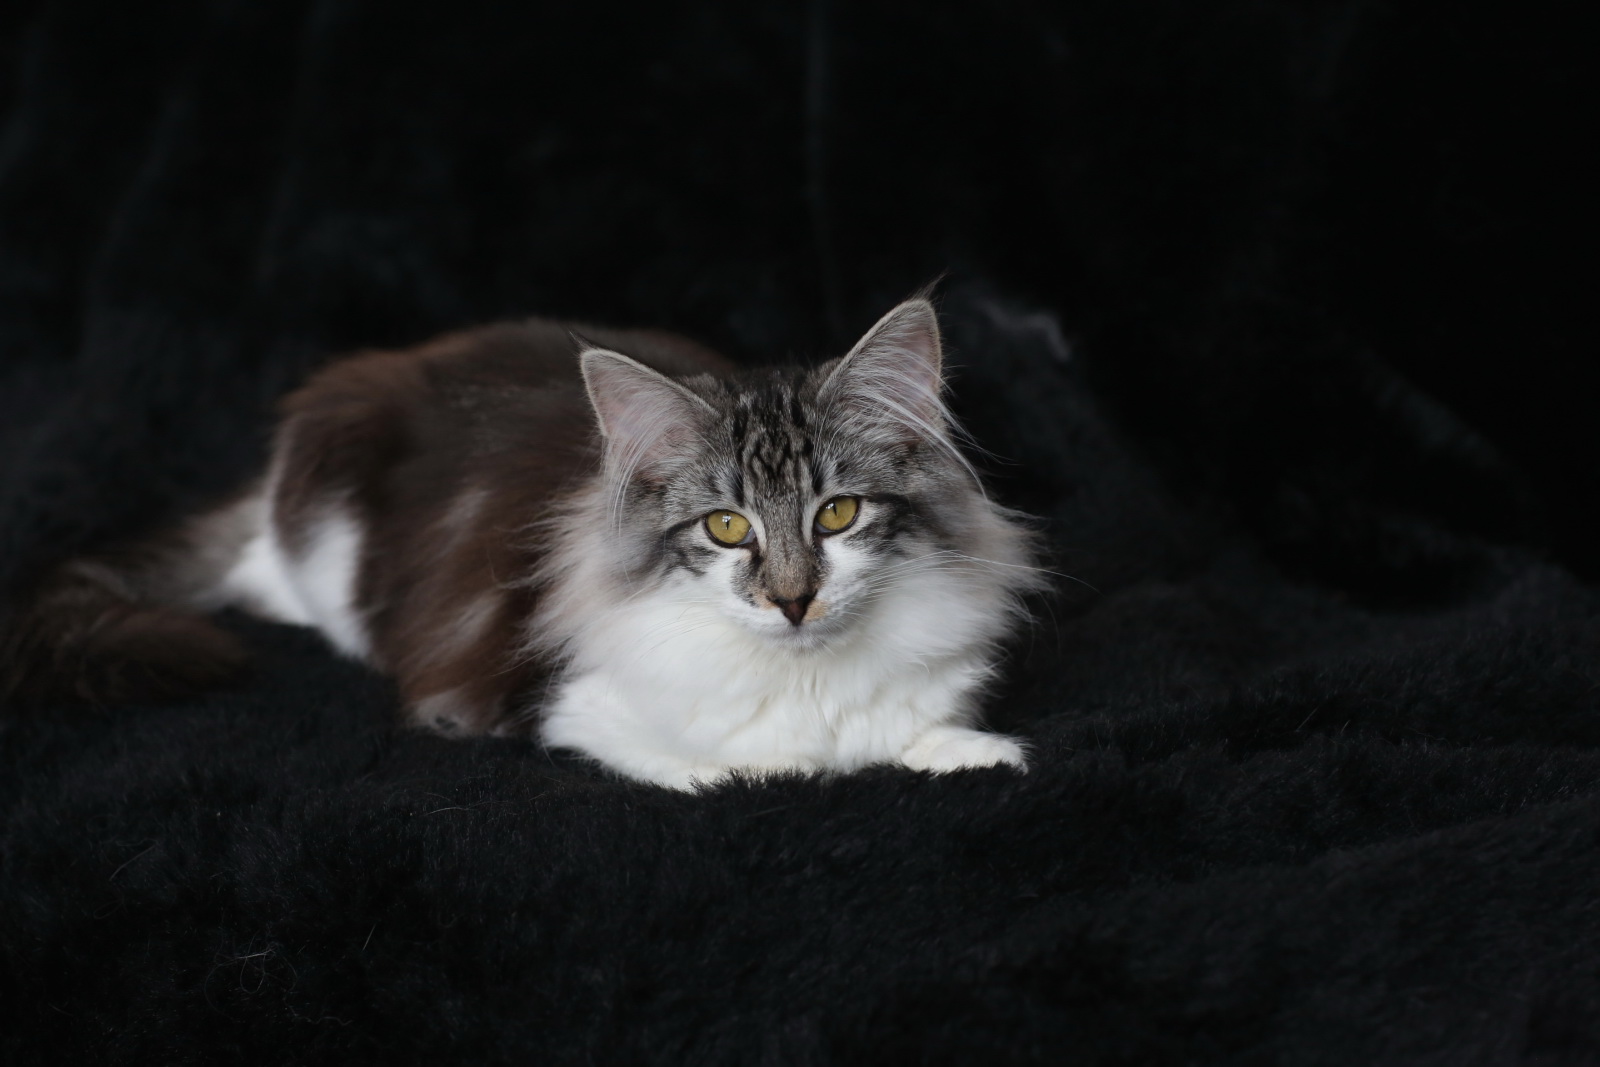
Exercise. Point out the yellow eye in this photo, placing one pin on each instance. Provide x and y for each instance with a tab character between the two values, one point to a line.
837	514
728	527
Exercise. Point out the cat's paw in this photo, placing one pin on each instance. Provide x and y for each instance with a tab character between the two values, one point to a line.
956	748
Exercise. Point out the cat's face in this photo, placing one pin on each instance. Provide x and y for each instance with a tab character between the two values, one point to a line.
790	503
786	524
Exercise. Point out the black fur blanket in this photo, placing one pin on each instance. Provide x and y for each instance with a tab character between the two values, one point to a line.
1266	310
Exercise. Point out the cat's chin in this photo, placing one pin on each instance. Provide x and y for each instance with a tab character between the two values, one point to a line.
816	636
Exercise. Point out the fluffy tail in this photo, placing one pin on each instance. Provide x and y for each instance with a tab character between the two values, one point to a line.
121	628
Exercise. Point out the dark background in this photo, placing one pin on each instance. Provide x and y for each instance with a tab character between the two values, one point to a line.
1270	312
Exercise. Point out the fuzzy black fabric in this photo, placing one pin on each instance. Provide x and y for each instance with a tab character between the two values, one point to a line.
1268	312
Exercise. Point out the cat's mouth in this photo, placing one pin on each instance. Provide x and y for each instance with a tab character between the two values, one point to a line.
810	634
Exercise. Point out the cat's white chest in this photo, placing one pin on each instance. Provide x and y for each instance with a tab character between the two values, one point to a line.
669	693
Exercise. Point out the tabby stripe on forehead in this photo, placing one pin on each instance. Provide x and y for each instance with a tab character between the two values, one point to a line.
750	454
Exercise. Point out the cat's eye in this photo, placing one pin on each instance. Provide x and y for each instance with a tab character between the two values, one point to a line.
728	527
837	514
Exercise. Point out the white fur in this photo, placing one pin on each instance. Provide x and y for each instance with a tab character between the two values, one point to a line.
260	581
315	586
324	575
686	682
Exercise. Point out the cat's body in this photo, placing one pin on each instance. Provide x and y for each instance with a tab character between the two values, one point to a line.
677	573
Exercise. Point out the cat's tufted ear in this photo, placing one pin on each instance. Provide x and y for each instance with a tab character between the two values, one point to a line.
892	376
647	419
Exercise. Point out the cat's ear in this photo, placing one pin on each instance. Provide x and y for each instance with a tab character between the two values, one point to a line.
892	377
647	419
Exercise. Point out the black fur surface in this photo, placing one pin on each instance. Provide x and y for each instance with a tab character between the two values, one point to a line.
1269	311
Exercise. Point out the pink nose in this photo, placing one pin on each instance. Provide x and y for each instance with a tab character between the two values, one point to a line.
794	610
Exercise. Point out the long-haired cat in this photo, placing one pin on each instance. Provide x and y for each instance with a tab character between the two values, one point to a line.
613	538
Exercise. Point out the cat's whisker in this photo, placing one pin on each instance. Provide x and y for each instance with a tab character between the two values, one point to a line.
939	556
684	632
1025	567
686	603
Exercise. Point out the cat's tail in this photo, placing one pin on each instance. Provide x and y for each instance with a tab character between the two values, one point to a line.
123	627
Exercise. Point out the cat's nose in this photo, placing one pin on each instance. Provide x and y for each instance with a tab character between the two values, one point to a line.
794	610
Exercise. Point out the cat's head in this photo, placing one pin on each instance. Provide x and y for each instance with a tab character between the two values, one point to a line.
794	501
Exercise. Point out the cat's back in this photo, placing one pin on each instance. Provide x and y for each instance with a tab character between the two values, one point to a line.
471	368
496	404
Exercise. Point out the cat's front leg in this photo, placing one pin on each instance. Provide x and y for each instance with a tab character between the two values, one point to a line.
954	748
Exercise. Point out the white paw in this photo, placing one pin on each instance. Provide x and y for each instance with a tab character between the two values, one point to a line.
955	748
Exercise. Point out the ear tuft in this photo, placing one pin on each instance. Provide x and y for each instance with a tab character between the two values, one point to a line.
893	375
646	418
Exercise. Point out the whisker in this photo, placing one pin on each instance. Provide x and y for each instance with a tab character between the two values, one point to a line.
674	636
940	556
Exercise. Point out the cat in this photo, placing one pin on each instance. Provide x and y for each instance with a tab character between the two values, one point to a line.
672	566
